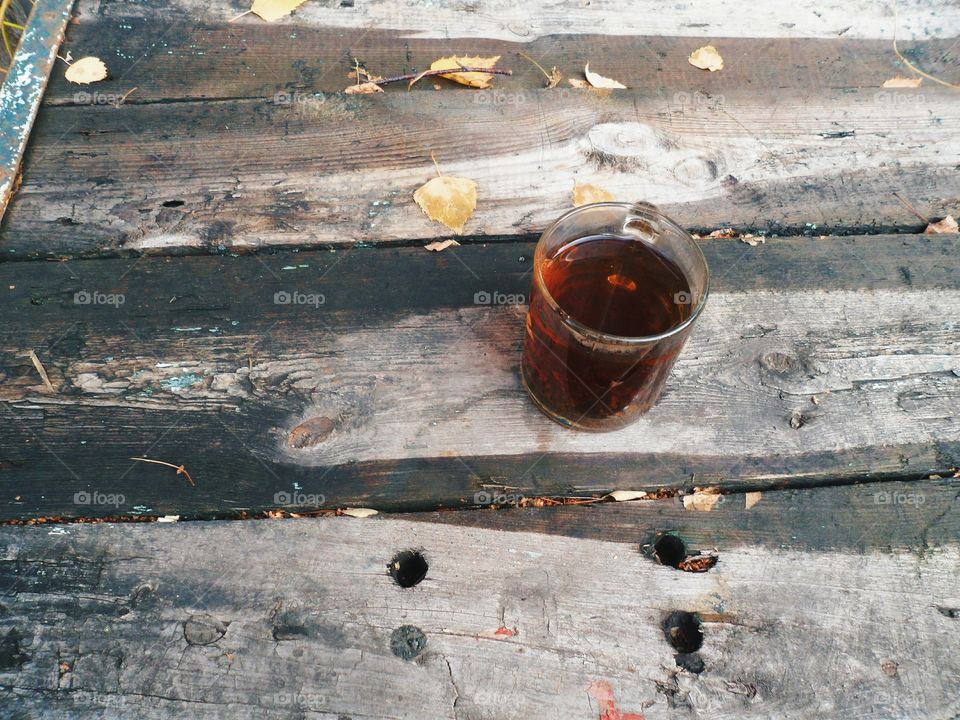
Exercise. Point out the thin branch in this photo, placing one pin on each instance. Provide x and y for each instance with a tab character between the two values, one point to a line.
910	207
446	71
181	470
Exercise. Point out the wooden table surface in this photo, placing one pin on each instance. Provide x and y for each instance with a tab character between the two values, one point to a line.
141	260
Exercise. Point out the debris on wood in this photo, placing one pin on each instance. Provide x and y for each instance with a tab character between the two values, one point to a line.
752	240
168	518
752	498
439	245
86	70
504	631
472	79
626	495
585	193
599	81
271	10
578	83
447	199
706	58
947	225
181	470
357	512
903	82
40	370
366	88
703	499
553	77
698	563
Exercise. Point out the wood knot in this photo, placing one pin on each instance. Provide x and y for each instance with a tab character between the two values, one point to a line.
203	629
310	432
779	362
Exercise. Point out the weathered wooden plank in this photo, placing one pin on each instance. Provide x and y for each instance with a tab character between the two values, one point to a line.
815	361
245	174
298	618
881	516
448	19
191	60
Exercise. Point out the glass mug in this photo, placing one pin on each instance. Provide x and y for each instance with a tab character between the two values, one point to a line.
616	291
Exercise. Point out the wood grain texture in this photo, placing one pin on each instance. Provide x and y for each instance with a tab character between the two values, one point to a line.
881	516
199	61
295	619
448	19
816	361
246	174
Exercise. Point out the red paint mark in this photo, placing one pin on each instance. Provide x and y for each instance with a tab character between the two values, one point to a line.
505	631
601	691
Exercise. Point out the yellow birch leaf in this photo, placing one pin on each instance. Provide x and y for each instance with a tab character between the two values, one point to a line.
473	79
704	500
86	70
271	10
358	512
947	225
599	81
902	82
585	193
439	245
363	89
449	200
706	58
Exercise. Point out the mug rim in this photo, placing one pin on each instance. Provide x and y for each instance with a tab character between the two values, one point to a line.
598	335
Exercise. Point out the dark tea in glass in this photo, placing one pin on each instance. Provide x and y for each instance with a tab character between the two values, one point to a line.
616	290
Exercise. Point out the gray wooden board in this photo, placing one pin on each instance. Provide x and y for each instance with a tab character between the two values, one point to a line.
245	174
295	618
816	361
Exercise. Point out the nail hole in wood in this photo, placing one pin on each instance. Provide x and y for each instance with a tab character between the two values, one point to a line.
173	203
682	630
669	550
408	568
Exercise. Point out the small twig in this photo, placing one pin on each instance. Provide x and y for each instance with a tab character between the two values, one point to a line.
553	78
444	71
910	207
123	98
181	470
910	64
439	174
43	373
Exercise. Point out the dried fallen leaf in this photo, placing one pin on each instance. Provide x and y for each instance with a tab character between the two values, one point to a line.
624	495
903	82
702	499
271	10
947	225
473	79
698	563
86	70
599	81
366	88
585	193
358	512
578	83
752	240
752	498
168	518
706	58
449	200
439	245
723	233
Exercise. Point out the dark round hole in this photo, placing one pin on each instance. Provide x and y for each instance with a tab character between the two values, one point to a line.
670	550
408	568
683	632
173	203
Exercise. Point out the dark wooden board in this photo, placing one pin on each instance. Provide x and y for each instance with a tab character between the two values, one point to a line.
885	516
200	366
168	57
298	618
241	174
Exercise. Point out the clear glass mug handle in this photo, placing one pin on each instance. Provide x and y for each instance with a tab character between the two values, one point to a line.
642	221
